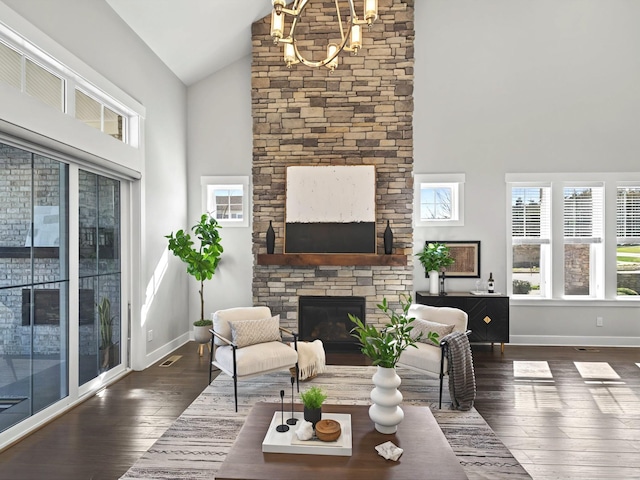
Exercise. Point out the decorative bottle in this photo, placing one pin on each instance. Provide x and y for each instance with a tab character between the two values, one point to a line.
388	240
271	238
491	286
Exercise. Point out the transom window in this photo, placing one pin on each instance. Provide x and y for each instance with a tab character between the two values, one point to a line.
32	71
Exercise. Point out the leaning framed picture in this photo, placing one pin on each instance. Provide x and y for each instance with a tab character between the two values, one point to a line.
466	255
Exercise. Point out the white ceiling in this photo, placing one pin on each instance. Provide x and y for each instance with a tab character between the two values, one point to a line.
194	38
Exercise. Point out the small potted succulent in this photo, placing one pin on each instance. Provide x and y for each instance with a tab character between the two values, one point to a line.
313	399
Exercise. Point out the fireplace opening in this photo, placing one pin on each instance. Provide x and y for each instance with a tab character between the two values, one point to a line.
327	318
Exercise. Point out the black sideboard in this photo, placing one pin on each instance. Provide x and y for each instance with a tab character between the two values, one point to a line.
488	314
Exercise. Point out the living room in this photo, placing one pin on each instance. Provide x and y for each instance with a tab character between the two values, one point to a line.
502	93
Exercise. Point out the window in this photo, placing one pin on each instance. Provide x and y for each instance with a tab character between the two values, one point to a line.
439	199
628	240
226	200
561	246
583	255
530	240
99	116
32	71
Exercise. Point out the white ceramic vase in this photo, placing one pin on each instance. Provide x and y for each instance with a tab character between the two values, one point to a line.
385	411
434	282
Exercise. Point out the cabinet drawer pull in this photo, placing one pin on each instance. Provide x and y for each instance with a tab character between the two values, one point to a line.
487	320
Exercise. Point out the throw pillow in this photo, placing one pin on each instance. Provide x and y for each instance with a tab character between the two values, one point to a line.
251	332
425	326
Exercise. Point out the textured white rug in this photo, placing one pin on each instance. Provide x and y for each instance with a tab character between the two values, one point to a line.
197	443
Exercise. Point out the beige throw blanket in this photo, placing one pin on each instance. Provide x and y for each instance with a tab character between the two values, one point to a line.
311	359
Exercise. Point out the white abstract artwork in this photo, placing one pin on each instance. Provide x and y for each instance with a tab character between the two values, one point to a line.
340	194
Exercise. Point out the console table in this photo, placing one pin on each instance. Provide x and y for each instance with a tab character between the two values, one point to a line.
488	314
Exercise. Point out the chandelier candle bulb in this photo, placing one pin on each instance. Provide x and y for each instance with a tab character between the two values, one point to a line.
370	11
289	54
356	38
277	26
332	52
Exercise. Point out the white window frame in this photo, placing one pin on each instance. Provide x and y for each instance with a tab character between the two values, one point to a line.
435	180
605	272
211	183
595	242
71	81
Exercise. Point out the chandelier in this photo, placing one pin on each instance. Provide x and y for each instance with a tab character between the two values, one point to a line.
353	35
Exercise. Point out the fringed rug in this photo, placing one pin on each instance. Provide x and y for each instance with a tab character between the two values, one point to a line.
197	443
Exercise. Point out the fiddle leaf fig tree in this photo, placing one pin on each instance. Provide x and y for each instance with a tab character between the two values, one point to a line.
201	261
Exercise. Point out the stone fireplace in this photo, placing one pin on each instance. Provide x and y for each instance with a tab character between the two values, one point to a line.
362	114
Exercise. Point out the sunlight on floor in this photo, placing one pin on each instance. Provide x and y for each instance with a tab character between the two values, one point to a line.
531	369
537	397
596	370
616	400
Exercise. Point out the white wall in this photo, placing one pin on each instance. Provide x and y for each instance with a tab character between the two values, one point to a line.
92	31
220	143
511	86
501	86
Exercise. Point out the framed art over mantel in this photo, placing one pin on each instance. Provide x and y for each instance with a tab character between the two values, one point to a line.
466	255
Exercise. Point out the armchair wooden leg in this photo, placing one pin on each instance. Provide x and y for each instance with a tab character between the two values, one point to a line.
235	379
440	402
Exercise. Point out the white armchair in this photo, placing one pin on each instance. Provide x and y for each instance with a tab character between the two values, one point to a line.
429	358
246	342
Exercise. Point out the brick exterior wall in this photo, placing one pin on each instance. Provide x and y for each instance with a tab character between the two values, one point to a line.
362	114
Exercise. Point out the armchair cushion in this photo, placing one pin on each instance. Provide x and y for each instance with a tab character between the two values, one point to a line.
250	332
255	359
221	319
423	327
425	357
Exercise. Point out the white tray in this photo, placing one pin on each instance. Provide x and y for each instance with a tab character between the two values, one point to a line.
288	442
473	292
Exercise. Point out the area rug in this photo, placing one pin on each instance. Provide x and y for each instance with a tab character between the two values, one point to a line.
197	443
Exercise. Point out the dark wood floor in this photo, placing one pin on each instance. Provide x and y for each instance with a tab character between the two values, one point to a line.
558	427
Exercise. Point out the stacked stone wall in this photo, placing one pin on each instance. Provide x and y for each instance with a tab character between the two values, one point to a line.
361	114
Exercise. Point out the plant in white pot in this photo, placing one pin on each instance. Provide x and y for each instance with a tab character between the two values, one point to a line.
201	261
434	257
384	348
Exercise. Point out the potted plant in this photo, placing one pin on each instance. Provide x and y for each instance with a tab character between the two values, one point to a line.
107	347
384	348
313	399
434	257
201	261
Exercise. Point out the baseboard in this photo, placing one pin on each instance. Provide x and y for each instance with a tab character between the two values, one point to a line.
161	352
574	341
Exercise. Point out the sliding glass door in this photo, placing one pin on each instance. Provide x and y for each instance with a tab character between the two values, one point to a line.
60	294
34	283
99	265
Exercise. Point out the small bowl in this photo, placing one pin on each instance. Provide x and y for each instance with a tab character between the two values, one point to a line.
328	430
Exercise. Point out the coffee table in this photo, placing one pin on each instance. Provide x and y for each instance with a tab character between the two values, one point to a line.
427	454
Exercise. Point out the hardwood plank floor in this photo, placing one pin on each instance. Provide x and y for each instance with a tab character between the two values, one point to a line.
559	427
559	423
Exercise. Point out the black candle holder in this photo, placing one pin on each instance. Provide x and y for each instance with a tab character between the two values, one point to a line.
283	427
442	276
293	420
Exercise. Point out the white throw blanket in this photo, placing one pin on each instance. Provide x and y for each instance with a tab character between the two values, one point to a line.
311	359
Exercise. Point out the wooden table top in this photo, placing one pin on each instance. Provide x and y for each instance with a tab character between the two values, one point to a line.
427	454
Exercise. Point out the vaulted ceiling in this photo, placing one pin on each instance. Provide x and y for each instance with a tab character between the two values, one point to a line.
194	38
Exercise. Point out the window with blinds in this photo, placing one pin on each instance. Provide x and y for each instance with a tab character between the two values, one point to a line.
530	240
34	72
10	66
583	209
628	241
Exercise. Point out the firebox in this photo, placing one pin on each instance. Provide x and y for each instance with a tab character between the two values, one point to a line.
327	318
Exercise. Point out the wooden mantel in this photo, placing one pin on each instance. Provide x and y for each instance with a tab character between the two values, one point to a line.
331	259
